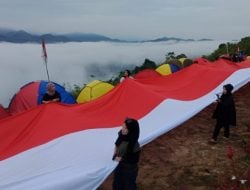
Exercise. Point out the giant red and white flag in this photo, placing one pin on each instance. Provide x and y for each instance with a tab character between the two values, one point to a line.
62	147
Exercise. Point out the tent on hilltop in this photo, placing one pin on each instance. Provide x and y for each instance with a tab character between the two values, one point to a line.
185	62
31	94
167	69
146	73
3	112
174	62
93	90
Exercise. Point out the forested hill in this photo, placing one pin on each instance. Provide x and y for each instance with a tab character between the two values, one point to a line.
22	36
241	47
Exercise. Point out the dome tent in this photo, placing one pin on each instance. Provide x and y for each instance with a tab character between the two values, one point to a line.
167	69
146	73
31	94
174	62
93	90
185	62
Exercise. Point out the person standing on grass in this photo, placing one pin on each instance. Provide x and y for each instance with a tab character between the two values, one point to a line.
225	113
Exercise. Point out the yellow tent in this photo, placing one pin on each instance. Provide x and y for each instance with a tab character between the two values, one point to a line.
185	62
164	69
175	62
182	60
94	90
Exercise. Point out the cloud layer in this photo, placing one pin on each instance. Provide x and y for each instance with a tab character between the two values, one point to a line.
77	63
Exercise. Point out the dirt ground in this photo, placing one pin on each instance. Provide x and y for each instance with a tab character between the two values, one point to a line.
183	158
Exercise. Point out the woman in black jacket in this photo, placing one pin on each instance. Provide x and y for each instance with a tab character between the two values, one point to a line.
127	153
225	113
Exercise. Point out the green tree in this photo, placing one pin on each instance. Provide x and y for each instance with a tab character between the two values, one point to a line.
170	55
181	56
231	48
75	91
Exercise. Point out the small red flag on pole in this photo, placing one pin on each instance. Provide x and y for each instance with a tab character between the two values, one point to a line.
45	57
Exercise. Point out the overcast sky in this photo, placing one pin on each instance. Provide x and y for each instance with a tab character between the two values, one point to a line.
130	19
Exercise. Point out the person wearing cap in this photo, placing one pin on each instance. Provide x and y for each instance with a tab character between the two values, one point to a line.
127	153
225	113
51	95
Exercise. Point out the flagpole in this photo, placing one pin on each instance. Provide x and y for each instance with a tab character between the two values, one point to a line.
47	71
45	58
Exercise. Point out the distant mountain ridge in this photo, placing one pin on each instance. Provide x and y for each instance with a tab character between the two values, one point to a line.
22	36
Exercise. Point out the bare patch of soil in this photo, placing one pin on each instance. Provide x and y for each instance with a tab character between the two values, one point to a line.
183	158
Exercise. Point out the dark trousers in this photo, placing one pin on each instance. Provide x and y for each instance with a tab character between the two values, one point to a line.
125	177
218	126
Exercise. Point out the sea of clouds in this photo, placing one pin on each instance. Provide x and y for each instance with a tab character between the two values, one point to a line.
80	63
